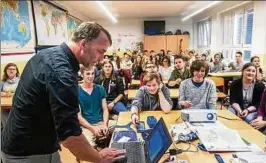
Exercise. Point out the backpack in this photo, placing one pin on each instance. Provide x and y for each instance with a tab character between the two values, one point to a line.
178	32
186	33
169	33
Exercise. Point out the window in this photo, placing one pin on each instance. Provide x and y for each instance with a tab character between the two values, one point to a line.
204	33
241	21
249	25
237	27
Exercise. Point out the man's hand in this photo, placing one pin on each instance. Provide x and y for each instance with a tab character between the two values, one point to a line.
104	129
96	130
135	119
110	106
110	154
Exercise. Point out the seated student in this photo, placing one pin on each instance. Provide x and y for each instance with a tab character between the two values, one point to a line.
10	80
152	96
180	72
126	69
155	60
137	67
198	56
245	94
116	64
238	64
145	60
149	67
198	92
217	65
260	122
166	70
203	57
169	54
256	61
94	114
114	86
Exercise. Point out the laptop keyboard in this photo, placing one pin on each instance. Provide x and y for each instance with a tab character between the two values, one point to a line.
133	151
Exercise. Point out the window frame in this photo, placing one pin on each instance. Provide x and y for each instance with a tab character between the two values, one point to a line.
207	32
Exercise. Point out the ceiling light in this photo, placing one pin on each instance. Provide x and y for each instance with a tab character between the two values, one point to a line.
201	10
107	12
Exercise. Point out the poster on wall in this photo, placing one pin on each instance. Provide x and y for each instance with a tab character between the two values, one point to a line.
72	24
125	42
17	30
51	24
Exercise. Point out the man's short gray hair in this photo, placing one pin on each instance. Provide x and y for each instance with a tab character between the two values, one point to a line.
89	31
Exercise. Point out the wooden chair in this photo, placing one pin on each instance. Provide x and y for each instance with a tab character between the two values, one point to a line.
219	82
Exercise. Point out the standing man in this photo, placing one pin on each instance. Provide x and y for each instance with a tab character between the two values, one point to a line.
45	106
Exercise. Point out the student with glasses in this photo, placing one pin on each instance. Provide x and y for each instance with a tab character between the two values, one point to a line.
180	72
245	94
165	70
9	84
198	92
10	80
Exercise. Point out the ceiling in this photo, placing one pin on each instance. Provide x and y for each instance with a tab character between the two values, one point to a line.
133	9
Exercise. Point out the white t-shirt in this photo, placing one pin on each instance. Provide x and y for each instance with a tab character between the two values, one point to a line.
165	72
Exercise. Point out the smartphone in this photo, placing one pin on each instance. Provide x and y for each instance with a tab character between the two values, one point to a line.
141	126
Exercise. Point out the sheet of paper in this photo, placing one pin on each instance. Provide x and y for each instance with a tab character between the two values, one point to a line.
257	155
123	139
219	139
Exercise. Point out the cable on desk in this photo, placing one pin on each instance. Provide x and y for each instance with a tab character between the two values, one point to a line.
233	119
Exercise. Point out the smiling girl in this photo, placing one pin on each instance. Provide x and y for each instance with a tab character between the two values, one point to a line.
245	94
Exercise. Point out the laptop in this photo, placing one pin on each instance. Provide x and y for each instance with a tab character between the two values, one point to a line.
153	148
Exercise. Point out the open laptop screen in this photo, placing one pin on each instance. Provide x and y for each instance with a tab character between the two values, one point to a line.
158	141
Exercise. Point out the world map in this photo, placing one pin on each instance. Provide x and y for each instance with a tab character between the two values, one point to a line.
15	25
72	24
51	24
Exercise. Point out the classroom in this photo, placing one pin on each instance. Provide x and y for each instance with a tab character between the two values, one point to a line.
133	81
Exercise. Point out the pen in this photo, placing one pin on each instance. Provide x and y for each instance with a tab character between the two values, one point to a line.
219	158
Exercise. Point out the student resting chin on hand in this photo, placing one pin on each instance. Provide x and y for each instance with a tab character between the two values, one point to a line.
152	96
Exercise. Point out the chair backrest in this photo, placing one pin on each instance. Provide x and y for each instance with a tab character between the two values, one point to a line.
219	81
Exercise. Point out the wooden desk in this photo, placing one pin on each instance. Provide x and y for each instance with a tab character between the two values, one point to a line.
135	82
133	92
225	74
245	131
6	102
